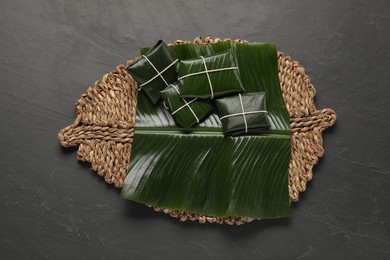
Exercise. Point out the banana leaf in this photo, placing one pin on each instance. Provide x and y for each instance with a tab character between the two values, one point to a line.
209	77
186	112
204	172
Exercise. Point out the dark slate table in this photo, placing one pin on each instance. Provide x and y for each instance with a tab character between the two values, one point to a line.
54	207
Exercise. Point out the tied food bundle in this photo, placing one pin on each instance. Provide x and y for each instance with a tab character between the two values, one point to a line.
212	131
190	89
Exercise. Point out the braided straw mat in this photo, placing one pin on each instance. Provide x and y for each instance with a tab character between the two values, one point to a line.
104	128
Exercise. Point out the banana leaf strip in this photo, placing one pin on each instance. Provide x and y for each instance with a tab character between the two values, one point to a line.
154	71
203	171
243	113
210	76
186	112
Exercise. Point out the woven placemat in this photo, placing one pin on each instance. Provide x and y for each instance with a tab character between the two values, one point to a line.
104	127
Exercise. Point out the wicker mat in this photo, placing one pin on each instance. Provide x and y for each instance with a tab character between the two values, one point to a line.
103	129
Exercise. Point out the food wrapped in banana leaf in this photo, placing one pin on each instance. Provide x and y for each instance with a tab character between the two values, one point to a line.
243	113
154	71
186	112
203	172
209	77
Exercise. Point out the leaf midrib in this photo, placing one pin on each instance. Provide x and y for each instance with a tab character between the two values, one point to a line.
206	131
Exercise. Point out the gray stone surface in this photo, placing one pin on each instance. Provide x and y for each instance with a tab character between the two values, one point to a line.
53	207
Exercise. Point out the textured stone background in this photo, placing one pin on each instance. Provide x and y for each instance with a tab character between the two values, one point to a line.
53	207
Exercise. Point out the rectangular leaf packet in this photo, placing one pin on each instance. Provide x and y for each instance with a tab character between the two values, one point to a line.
186	112
243	113
154	71
209	77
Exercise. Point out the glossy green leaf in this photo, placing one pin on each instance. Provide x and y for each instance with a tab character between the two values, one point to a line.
220	79
243	113
204	172
154	71
186	112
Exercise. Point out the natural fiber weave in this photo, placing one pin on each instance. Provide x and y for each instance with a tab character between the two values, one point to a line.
104	128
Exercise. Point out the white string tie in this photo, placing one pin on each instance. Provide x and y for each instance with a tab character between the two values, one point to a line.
243	113
208	77
186	104
206	71
246	113
209	71
159	73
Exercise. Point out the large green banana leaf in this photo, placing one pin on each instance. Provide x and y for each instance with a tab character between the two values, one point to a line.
202	171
